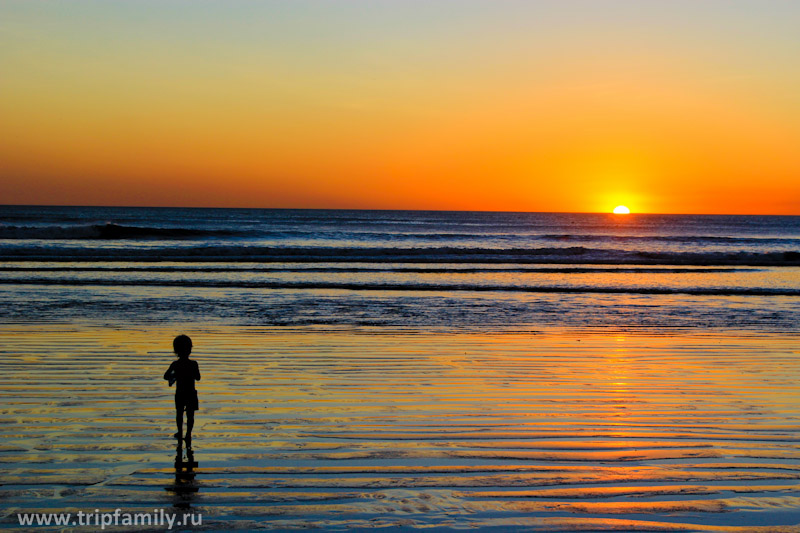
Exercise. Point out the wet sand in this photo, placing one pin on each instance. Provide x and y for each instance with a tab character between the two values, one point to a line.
305	428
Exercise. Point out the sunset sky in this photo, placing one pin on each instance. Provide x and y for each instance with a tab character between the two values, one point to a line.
664	106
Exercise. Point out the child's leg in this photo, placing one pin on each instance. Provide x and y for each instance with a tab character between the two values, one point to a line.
179	422
189	426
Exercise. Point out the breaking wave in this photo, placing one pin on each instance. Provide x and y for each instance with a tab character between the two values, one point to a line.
108	231
427	255
426	287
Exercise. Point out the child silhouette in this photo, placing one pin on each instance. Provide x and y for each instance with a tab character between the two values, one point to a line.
184	372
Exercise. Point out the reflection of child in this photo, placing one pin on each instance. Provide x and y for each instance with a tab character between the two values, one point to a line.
184	372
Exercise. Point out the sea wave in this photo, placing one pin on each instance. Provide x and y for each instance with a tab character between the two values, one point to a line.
674	239
115	231
408	287
426	255
108	231
357	269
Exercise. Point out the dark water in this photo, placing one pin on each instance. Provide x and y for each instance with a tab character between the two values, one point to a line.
400	268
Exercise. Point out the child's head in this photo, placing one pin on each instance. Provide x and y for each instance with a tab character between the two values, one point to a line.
182	346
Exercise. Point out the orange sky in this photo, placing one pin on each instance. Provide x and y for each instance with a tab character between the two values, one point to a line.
669	107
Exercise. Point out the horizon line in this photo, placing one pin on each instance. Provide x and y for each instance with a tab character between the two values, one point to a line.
632	213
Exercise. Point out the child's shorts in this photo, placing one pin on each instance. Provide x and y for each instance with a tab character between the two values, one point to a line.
186	400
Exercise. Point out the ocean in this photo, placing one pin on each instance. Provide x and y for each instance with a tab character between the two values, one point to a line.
408	269
401	370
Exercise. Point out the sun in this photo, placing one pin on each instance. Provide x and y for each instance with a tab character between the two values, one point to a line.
621	210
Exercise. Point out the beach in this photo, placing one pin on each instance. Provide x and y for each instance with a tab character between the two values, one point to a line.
552	430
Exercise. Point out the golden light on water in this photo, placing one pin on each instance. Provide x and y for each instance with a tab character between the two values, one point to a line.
621	210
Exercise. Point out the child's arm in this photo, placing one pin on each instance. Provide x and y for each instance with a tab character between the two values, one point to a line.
169	375
196	371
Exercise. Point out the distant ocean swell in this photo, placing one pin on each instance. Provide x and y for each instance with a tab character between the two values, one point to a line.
106	232
113	232
552	255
